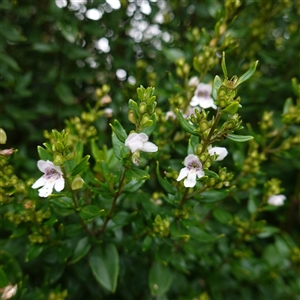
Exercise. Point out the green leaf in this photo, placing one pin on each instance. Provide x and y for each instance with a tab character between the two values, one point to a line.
3	278
147	242
89	212
173	54
160	279
64	93
133	106
193	143
11	33
137	174
200	235
251	206
82	249
34	251
222	215
223	65
239	138
63	202
210	173
119	131
104	263
44	154
248	74
185	124
232	108
287	104
81	165
165	184
9	61
45	48
213	195
216	86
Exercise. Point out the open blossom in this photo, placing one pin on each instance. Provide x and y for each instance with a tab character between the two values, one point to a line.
202	96
276	200
192	170
52	178
139	142
220	151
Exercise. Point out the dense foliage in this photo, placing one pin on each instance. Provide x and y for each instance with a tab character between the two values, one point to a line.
122	105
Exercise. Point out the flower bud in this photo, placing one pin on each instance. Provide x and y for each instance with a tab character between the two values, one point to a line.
59	146
7	152
131	117
58	158
3	136
143	107
77	183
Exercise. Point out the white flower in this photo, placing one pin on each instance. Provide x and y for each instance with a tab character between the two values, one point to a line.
139	142
220	151
276	200
51	179
9	291
171	115
193	168
202	96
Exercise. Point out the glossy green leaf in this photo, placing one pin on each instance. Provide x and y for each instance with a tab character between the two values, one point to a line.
89	212
239	138
193	143
160	279
248	74
147	242
232	108
80	167
137	174
213	195
251	206
82	249
119	131
63	202
104	263
287	104
44	154
185	124
34	251
9	61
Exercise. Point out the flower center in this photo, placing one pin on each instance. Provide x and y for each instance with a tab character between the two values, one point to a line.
203	94
194	165
51	174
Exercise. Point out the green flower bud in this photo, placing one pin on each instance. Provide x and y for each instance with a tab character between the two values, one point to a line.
59	147
143	107
77	183
131	117
3	137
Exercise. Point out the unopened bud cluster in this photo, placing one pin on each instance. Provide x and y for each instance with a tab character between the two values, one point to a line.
181	213
246	229
223	180
56	295
141	114
254	159
206	59
182	68
266	120
292	116
161	226
272	187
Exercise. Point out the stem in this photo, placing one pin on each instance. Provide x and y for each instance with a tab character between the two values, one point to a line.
211	132
75	201
112	208
277	137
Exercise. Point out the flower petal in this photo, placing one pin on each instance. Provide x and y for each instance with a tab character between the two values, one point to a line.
191	158
206	103
40	182
144	137
149	147
59	184
200	173
47	189
190	181
44	164
276	200
183	173
220	151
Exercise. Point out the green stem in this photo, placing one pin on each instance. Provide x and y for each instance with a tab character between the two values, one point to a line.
112	208
273	142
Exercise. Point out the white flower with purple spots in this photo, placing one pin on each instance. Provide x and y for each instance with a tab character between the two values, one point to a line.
52	178
202	96
192	170
276	200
